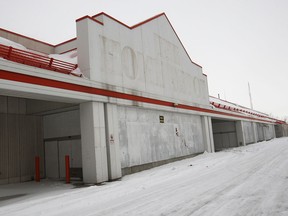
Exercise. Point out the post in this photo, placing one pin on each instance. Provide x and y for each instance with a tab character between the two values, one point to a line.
112	141
37	169
93	142
50	62
9	52
207	133
67	167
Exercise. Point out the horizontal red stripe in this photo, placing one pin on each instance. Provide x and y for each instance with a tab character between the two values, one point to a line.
23	78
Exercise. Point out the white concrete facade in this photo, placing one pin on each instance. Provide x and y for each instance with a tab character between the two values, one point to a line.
149	61
146	60
142	102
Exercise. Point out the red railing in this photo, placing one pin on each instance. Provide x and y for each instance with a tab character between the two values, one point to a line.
36	60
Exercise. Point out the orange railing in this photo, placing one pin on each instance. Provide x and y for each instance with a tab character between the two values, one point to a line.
36	60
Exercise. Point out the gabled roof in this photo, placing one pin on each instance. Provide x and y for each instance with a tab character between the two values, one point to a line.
94	18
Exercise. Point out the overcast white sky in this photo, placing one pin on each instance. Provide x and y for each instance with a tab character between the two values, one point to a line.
235	41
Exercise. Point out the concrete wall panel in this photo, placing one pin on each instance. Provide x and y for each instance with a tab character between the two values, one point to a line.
281	130
14	150
39	144
13	105
207	133
4	149
285	130
278	131
51	159
21	139
143	139
62	124
3	104
224	133
73	149
248	132
148	59
112	141
64	149
27	143
269	132
260	130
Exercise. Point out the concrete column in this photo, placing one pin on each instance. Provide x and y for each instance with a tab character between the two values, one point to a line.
273	131
211	134
265	131
112	142
255	131
93	141
207	133
240	133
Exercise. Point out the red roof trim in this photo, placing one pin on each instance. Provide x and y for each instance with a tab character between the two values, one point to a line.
102	13
129	27
23	78
181	42
237	105
68	51
88	17
20	35
146	21
66	42
33	39
263	115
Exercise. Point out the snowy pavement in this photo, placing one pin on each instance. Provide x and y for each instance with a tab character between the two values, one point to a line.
250	180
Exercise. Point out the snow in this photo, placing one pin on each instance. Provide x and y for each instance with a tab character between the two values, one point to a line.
7	42
70	57
249	180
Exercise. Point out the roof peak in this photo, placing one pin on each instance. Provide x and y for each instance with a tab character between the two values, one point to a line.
133	26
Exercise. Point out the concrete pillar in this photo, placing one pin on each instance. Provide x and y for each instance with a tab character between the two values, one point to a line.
112	142
211	134
93	141
265	131
255	131
240	133
208	133
273	131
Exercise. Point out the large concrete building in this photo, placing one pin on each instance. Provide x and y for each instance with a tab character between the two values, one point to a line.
136	100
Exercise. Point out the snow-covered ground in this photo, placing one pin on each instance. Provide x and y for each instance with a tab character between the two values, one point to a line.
250	180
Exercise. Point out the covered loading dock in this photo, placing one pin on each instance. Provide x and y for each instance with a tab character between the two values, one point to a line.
229	133
281	130
62	137
30	128
224	134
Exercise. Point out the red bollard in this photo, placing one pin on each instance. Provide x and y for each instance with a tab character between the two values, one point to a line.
67	167
37	169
